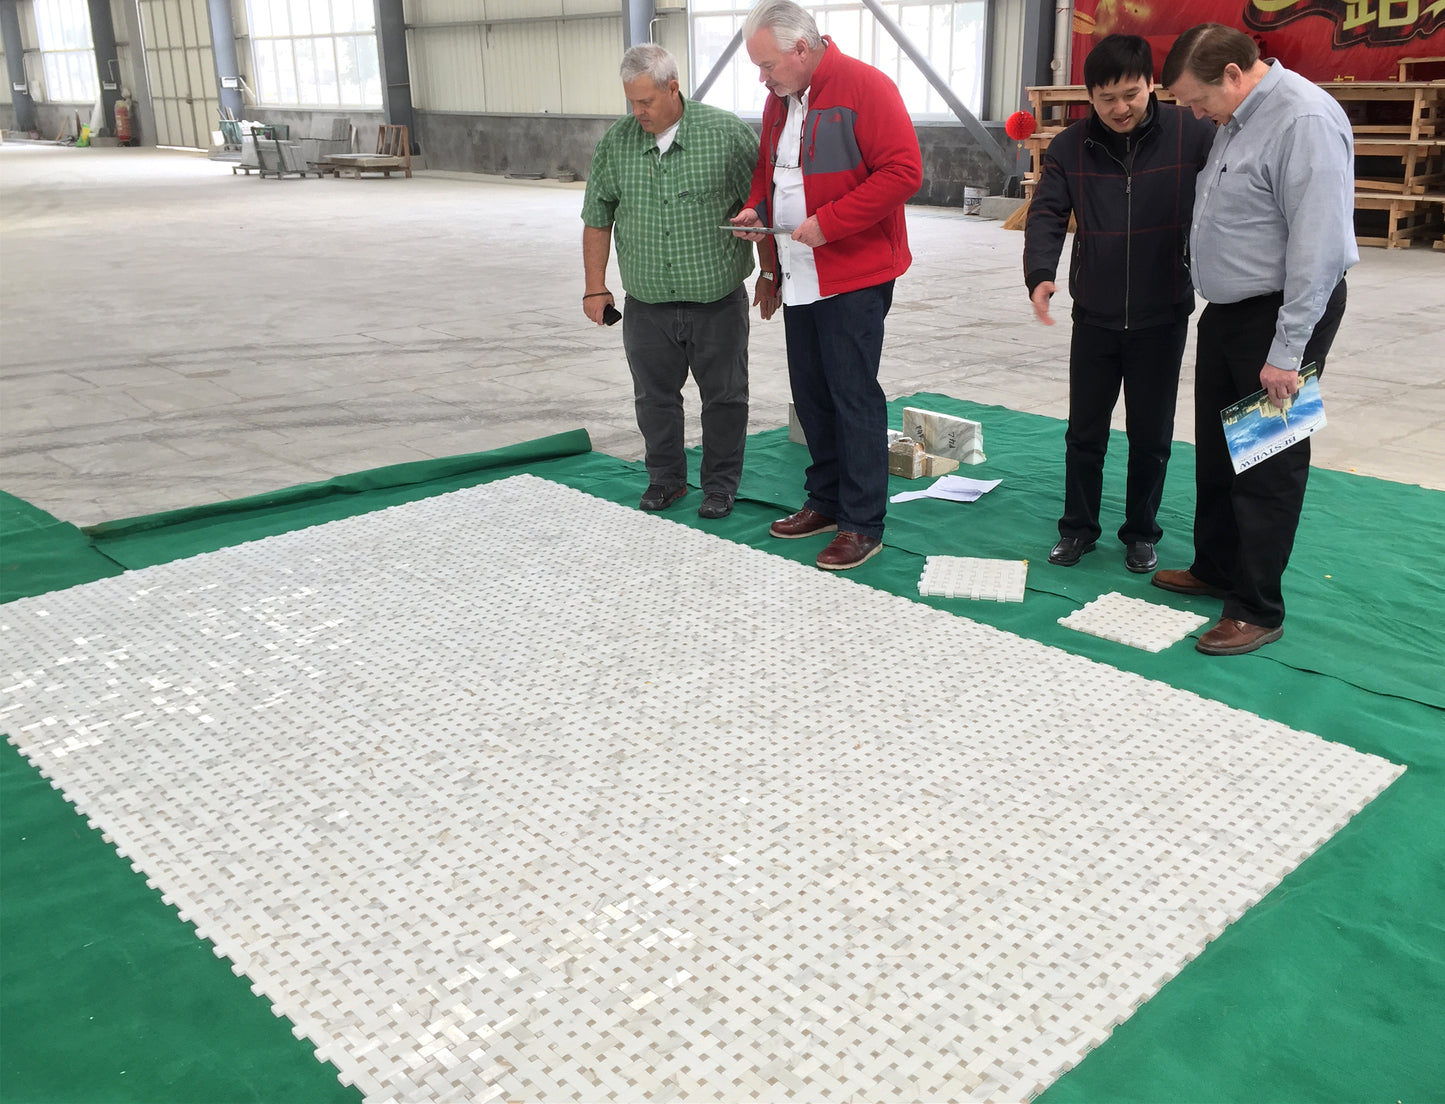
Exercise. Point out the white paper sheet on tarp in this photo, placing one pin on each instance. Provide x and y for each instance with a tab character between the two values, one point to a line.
952	488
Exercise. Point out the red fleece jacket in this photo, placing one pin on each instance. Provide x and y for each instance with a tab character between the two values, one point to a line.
860	165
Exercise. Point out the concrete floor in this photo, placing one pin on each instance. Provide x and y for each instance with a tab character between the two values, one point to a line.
173	334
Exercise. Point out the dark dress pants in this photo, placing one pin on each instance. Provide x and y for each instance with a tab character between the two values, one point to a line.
1244	525
834	346
1146	364
664	340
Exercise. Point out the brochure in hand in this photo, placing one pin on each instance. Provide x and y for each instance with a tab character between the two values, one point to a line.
1255	428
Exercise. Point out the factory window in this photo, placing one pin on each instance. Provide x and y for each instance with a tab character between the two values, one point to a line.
315	53
66	51
950	35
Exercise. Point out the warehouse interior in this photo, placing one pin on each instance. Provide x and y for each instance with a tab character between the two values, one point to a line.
183	346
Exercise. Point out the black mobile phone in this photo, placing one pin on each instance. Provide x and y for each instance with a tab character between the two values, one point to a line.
611	315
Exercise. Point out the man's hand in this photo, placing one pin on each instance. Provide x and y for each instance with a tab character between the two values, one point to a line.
810	233
593	305
766	297
1280	383
1040	299
744	218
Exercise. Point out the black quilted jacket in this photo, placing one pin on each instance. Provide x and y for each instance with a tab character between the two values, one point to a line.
1133	196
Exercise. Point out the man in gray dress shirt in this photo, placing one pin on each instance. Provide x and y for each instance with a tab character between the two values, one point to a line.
1271	239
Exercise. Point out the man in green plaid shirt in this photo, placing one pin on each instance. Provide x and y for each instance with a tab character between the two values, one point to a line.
664	182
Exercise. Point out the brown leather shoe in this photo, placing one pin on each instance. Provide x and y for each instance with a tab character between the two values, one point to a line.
1182	582
848	550
804	523
1231	637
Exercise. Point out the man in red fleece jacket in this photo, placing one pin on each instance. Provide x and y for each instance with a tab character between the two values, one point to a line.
839	158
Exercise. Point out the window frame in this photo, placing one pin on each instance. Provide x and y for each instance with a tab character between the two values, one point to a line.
882	52
67	51
279	53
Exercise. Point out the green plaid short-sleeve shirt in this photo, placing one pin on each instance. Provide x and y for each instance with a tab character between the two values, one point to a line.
665	211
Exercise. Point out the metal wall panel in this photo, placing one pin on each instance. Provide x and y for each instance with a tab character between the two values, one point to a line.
5	94
670	32
446	69
590	51
521	68
418	12
589	7
182	71
524	9
29	33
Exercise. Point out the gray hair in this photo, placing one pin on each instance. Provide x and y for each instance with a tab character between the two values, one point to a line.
788	22
652	60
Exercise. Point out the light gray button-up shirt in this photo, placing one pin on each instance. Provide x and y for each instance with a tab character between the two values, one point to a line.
1274	207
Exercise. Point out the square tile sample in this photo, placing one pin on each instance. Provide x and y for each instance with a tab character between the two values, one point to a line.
972	577
1133	621
516	794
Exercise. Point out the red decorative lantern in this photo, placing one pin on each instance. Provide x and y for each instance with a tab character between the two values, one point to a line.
1020	125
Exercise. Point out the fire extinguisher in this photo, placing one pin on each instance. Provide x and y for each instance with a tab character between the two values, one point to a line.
122	122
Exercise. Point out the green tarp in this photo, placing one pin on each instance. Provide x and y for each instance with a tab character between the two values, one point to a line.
1328	990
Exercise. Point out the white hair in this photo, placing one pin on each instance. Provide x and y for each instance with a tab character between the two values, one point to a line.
789	23
651	59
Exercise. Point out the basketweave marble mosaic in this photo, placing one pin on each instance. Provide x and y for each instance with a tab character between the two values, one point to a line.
516	794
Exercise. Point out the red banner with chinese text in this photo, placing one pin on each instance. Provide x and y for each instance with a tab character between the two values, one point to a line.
1323	40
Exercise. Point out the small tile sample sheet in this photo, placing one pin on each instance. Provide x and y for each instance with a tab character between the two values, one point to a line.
1133	621
514	794
972	577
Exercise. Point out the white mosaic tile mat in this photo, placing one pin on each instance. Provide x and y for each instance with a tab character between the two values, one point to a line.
972	577
1133	621
516	794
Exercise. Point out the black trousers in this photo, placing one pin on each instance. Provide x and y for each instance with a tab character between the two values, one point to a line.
1146	363
663	341
1244	525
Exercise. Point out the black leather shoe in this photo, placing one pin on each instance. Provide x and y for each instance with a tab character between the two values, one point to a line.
715	506
1139	557
660	497
1069	550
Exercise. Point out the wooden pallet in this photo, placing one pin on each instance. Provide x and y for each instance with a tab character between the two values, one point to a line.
1407	218
1415	135
393	154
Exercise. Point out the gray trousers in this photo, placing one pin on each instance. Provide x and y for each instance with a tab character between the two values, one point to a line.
663	341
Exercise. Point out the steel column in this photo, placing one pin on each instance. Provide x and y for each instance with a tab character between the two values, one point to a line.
395	72
107	66
722	63
637	17
965	116
1038	49
223	46
15	66
142	114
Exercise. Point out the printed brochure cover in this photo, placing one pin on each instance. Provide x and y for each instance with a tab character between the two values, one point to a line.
1256	429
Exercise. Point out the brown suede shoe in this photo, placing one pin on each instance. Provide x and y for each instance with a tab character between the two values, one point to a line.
804	523
1231	637
848	550
1182	582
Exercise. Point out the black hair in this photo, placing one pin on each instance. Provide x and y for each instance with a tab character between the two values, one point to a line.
1117	57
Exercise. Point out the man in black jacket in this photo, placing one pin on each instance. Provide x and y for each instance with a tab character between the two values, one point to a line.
1126	173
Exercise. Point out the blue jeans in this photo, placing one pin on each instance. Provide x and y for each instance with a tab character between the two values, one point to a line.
834	346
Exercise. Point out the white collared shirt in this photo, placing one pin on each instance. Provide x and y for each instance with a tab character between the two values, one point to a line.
799	270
